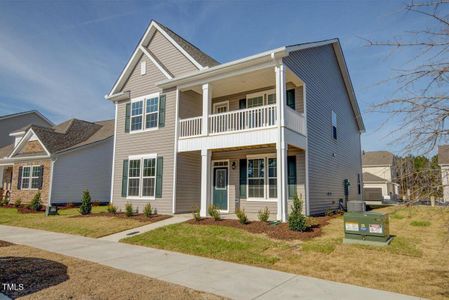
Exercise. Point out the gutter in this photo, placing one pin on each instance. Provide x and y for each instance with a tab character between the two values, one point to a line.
119	96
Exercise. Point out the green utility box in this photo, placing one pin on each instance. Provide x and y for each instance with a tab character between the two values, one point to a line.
369	228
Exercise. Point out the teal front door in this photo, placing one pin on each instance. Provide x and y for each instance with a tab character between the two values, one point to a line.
220	194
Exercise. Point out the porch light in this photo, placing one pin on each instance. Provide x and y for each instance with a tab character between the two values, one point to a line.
233	165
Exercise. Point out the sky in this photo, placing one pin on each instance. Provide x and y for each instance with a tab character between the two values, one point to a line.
62	57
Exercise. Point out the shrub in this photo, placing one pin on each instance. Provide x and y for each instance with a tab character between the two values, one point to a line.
214	212
264	215
112	209
148	210
296	220
4	201
196	215
36	202
129	209
86	204
18	202
243	219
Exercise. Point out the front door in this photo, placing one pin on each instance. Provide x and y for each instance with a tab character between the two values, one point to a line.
220	190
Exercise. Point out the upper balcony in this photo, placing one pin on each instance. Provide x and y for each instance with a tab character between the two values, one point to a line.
243	110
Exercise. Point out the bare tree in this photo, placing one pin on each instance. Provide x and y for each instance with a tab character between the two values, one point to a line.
422	99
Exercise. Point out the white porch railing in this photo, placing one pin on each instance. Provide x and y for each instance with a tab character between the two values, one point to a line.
190	126
244	119
294	120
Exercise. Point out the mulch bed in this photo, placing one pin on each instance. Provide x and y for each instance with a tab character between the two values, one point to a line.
139	217
5	244
276	231
27	210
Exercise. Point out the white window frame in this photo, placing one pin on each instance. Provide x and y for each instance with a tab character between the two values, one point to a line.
266	197
144	114
264	95
141	177
219	104
30	178
143	67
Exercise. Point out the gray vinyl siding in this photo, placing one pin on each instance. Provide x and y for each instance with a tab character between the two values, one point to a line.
87	168
188	182
9	125
160	141
169	55
326	92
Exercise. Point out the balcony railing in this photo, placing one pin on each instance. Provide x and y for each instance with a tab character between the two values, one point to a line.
241	120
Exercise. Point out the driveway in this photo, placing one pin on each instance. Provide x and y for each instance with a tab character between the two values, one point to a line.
204	274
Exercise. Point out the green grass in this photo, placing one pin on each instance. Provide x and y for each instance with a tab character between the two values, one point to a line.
325	246
67	222
420	223
211	241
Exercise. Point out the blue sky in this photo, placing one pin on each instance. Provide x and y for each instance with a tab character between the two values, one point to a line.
62	57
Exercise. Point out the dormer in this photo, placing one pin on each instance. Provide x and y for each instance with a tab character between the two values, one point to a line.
18	135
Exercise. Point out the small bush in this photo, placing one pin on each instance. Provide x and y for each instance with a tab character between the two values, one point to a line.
243	219
264	215
18	202
86	204
196	215
420	223
112	209
214	212
36	202
148	210
129	210
296	220
4	201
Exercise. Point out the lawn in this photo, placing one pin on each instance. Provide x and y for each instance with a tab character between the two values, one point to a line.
46	275
70	221
416	263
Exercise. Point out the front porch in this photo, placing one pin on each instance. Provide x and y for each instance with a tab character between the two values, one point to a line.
6	173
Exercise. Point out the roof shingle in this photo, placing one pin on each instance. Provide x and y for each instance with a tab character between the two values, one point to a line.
377	158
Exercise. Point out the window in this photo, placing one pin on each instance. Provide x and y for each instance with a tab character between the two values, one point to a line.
136	115
256	178
151	112
359	186
272	178
145	113
31	176
142	177
271	98
260	99
334	125
255	101
143	68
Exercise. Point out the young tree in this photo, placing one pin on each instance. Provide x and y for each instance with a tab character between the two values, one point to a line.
86	203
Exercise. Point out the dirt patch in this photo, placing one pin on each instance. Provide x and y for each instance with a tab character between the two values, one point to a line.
140	217
5	244
27	210
275	231
47	275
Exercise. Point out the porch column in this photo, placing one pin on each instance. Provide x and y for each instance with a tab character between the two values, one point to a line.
207	99
2	170
205	181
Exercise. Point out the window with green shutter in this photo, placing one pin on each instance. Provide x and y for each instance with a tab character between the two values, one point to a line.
243	176
125	178
159	175
291	173
162	101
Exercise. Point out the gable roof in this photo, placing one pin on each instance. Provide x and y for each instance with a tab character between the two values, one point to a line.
443	155
65	136
36	112
368	177
200	59
377	158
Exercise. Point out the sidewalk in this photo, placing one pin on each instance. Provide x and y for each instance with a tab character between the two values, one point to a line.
209	275
127	233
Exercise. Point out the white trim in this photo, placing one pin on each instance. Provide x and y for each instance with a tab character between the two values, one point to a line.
212	181
144	114
26	137
168	37
17	133
30	177
141	158
217	104
143	68
50	184
113	153
265	157
155	62
175	151
306	156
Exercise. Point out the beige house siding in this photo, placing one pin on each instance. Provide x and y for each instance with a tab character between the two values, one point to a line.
382	172
190	105
160	141
26	195
169	55
188	182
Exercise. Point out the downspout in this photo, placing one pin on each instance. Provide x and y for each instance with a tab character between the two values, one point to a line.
52	165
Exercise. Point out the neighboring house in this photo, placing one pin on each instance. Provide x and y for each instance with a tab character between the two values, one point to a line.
249	134
443	162
12	122
60	162
379	176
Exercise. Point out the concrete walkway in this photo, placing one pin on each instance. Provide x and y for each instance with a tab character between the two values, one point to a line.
127	233
209	275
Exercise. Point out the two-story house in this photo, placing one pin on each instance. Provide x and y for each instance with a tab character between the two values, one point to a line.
249	134
379	176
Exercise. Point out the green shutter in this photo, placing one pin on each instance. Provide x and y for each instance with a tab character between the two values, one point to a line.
243	178
159	173
125	178
291	98
127	116
19	179
162	111
291	169
41	177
